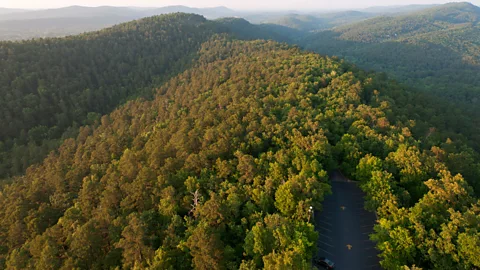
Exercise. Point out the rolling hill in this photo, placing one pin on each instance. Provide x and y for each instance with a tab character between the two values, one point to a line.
209	13
436	50
316	22
27	24
52	85
455	16
16	30
222	167
10	10
70	12
396	9
63	21
82	11
79	19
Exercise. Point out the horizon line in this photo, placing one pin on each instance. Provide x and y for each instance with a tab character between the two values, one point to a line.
232	9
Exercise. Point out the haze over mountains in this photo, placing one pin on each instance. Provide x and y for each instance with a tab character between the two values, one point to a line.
81	11
78	19
396	9
10	10
311	22
16	24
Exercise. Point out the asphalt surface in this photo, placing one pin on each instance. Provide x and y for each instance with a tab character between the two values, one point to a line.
344	227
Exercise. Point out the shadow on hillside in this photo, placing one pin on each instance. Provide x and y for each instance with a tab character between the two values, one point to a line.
428	66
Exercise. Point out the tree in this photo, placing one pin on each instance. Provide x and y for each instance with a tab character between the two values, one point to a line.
206	248
135	252
49	258
366	167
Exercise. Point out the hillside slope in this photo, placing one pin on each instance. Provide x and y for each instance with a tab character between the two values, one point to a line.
317	22
435	50
209	13
51	86
388	28
219	171
425	45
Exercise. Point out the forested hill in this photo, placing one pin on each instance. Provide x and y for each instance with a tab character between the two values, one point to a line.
218	166
444	17
437	49
317	22
50	86
220	169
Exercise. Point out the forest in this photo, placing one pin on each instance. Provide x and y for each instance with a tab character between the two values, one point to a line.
125	161
435	50
50	87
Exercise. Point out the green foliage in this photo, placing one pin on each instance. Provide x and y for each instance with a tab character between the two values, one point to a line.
223	167
278	243
437	225
434	51
152	187
51	86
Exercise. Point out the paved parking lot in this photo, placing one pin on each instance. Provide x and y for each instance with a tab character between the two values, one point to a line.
344	227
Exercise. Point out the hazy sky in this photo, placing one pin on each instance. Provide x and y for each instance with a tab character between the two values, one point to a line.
234	4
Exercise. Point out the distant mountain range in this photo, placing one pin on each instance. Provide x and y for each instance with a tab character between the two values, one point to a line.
397	9
16	24
10	10
69	12
212	13
56	27
315	22
81	12
449	16
26	24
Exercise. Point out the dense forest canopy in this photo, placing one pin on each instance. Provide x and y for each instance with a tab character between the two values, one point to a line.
443	17
220	169
437	49
313	22
219	165
52	86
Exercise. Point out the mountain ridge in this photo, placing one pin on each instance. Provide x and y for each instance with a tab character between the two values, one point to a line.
79	94
317	22
70	11
76	11
396	9
79	19
425	21
232	154
10	10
